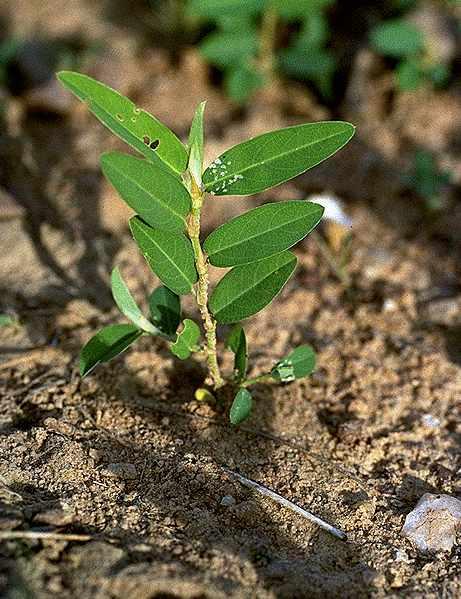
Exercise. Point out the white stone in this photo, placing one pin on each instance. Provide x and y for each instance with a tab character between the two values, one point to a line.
433	524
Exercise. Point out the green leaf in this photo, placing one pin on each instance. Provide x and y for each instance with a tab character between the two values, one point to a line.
275	157
165	310
186	341
397	38
214	9
155	194
298	364
169	255
313	64
7	321
247	289
236	342
242	81
225	49
136	127
292	10
262	232
196	144
241	406
105	345
410	75
127	305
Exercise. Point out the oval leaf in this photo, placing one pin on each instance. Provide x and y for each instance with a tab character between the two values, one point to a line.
155	194
105	345
275	157
298	364
186	341
246	289
236	342
127	305
262	232
165	310
136	127
169	255
241	406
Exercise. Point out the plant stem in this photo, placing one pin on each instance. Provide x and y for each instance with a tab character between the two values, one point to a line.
262	378
267	42
209	323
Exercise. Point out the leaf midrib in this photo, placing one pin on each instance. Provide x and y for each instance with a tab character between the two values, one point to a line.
165	205
166	256
277	157
240	242
246	291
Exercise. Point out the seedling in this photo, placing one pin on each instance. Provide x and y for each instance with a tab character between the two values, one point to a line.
402	41
167	189
245	42
428	179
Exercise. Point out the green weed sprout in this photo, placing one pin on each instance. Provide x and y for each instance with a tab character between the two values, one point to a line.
244	42
428	180
404	42
167	189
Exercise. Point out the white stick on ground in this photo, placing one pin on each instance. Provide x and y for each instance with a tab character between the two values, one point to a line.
289	504
6	535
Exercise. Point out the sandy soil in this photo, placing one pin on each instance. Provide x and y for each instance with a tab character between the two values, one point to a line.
128	457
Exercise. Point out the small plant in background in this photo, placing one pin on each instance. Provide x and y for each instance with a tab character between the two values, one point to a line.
428	180
245	46
167	189
404	42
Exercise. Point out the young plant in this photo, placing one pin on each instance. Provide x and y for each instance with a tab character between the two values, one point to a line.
167	189
404	42
428	179
245	46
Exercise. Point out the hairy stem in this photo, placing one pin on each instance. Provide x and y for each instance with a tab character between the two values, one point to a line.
209	323
262	378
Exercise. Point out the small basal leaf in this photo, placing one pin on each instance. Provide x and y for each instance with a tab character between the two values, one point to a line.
136	127
105	345
236	342
262	232
156	195
298	364
186	341
275	157
241	407
169	255
165	310
247	289
196	144
127	305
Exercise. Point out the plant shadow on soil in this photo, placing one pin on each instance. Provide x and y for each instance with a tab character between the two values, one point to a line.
191	494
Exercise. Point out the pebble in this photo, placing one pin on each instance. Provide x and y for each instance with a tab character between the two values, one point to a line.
433	524
228	501
123	470
430	421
